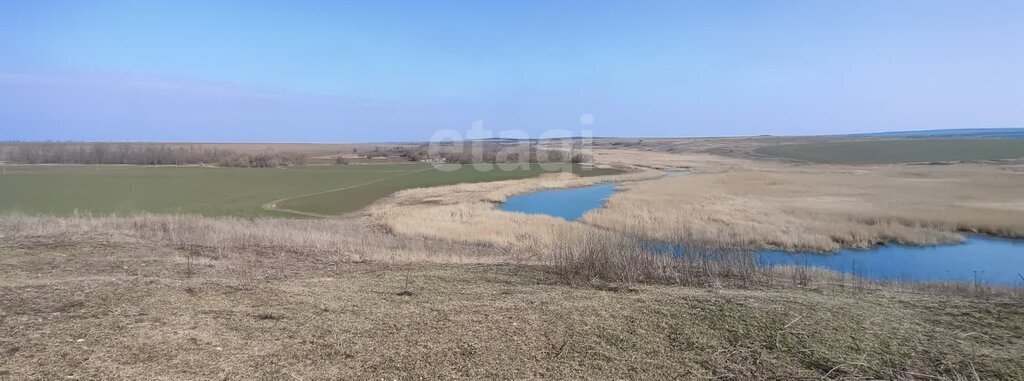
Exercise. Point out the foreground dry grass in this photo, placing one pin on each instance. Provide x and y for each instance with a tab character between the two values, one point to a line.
331	241
193	298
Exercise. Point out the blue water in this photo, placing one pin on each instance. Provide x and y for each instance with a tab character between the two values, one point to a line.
983	259
569	204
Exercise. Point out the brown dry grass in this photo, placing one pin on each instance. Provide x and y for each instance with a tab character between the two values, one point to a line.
200	298
466	213
334	239
737	203
436	283
822	208
606	259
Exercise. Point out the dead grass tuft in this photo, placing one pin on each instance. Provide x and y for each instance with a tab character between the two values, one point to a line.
93	306
268	316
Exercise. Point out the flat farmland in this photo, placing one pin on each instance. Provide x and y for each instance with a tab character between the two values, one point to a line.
898	151
337	202
212	191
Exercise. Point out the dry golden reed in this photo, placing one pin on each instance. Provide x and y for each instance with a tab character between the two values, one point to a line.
344	240
737	203
822	208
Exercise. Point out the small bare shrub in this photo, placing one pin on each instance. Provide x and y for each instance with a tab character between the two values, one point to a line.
268	316
801	277
407	284
591	255
588	255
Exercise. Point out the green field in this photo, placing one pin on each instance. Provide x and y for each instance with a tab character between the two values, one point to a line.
898	151
102	190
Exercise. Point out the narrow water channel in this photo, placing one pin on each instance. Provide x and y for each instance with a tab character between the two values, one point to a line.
981	259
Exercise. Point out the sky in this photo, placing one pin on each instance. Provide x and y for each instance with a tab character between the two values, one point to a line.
373	71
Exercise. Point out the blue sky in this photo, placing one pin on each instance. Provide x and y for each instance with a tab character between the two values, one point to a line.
334	71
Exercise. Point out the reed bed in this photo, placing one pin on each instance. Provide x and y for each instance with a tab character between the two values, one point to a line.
822	208
738	204
612	260
591	255
466	213
575	254
721	212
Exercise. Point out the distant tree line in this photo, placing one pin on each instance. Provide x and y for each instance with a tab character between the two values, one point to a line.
487	152
142	154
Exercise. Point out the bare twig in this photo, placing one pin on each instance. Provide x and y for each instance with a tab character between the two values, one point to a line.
794	321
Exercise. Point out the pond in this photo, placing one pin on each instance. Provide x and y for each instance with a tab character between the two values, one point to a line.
569	204
981	259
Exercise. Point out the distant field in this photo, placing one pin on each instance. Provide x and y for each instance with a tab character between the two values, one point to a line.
1016	133
102	190
898	151
346	200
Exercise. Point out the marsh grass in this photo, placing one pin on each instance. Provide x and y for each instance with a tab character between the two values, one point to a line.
821	208
211	238
614	261
738	204
466	213
592	255
574	254
719	215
